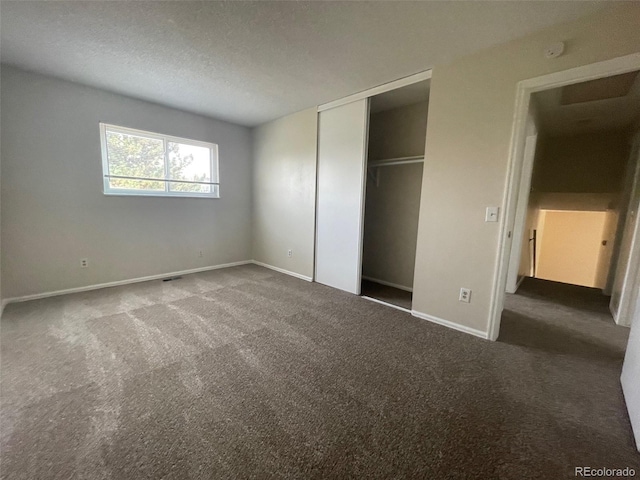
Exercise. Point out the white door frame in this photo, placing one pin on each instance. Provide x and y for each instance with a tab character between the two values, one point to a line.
385	87
521	213
524	90
630	367
623	315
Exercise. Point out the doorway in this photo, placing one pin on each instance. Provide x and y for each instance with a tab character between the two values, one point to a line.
510	237
581	226
582	178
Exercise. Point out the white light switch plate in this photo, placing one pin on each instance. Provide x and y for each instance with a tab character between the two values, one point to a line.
492	214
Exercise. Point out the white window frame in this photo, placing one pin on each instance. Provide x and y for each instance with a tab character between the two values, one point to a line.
213	149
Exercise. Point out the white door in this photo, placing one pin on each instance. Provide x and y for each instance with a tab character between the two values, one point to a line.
631	371
342	153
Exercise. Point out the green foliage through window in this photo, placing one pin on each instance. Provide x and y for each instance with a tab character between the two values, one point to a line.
155	164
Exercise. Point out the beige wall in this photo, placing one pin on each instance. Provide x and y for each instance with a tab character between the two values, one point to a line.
471	110
391	224
284	172
570	247
54	212
589	202
605	263
587	163
399	132
585	202
392	206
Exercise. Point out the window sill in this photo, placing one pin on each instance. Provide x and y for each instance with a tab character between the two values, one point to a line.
162	194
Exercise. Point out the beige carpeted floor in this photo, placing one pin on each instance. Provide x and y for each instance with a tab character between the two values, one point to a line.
247	373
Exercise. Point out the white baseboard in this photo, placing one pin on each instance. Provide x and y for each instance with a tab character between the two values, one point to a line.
282	270
397	307
120	282
516	286
388	284
447	323
622	322
520	282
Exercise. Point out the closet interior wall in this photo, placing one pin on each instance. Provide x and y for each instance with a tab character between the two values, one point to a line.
393	194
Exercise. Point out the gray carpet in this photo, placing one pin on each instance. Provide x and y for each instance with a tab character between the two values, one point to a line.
247	373
388	294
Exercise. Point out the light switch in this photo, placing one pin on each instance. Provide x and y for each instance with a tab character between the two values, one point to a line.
492	214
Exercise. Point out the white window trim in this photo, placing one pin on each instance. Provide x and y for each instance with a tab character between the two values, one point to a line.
214	163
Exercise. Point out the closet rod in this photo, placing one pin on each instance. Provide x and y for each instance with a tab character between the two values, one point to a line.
396	161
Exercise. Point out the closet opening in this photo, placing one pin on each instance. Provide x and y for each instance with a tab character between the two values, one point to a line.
394	169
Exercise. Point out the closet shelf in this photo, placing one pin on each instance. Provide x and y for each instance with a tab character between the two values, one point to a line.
372	167
389	162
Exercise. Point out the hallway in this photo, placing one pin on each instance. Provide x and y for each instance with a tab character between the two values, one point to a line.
564	319
572	370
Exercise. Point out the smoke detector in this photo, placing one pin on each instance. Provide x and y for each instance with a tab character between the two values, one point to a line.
555	50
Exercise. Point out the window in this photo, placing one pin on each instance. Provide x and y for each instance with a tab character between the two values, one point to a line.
135	162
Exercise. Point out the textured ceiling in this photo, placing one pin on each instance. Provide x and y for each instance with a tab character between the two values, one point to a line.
249	62
608	114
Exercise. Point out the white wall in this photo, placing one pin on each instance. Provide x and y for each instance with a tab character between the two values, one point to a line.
1	297
631	371
471	111
53	208
284	192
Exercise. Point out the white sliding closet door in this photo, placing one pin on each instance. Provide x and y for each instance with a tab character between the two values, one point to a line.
342	153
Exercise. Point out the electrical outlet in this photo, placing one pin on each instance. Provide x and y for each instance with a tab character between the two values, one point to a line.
289	253
465	295
84	262
200	254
